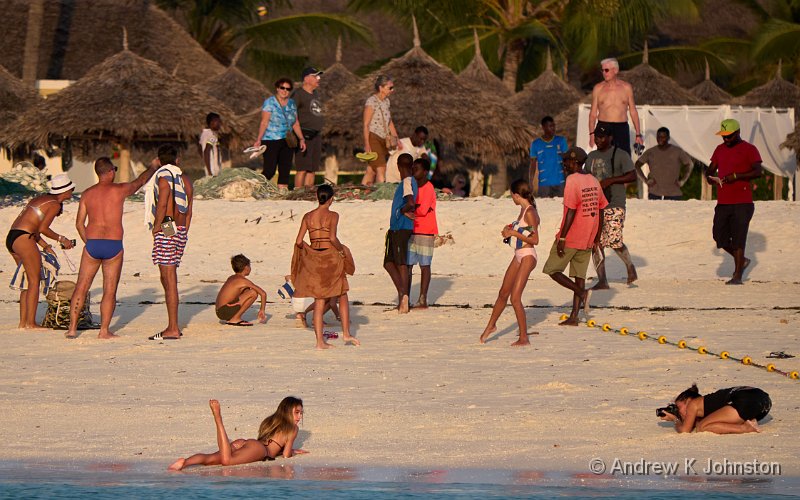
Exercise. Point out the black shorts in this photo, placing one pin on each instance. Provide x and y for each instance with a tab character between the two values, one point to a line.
397	246
731	223
310	159
622	134
278	155
751	403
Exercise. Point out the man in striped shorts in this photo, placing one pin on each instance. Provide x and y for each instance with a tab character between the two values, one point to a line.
173	214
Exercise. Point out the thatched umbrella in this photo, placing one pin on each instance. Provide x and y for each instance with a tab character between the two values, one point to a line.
777	92
238	91
478	73
793	141
469	124
652	87
708	91
546	95
126	100
15	96
336	78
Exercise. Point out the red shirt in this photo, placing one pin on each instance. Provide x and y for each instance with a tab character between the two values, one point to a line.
738	159
425	222
583	194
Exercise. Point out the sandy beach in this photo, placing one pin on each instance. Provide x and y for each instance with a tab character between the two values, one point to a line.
420	391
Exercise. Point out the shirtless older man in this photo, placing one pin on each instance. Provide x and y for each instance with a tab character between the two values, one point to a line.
612	100
102	237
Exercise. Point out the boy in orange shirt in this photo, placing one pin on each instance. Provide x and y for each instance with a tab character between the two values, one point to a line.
420	246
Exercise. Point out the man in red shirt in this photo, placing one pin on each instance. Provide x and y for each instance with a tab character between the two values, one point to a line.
733	165
421	244
584	202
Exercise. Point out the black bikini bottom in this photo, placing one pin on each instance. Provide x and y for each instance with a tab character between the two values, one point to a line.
12	237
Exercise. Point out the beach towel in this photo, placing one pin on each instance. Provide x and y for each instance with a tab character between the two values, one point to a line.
47	276
173	175
321	273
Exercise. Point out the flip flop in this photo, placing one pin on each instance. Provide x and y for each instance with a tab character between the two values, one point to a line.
160	336
327	334
367	157
255	152
239	323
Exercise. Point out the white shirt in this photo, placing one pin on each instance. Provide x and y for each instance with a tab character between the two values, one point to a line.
392	173
209	138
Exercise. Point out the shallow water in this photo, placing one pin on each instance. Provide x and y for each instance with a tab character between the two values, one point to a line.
115	481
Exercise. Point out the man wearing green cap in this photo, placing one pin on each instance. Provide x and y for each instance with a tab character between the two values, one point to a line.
733	165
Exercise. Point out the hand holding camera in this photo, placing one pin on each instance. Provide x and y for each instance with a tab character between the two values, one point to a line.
671	409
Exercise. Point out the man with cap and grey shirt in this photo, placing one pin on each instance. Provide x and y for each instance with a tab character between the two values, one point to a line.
613	167
581	224
733	165
309	114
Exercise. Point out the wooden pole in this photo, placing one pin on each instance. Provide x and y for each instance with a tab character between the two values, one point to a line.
475	183
778	187
124	170
332	169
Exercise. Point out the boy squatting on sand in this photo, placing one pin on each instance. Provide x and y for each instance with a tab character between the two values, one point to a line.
238	294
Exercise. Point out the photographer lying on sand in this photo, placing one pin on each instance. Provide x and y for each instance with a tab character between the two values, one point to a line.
735	410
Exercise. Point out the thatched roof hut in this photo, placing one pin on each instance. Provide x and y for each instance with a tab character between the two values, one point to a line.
793	141
546	95
469	124
79	34
127	100
567	120
15	96
235	89
652	87
708	91
478	73
336	78
777	92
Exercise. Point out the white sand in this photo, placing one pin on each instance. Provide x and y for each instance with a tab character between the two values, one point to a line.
420	391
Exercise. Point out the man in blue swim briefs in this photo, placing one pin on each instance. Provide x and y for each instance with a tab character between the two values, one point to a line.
99	224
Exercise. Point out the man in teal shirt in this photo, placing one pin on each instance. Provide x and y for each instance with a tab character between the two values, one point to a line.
546	154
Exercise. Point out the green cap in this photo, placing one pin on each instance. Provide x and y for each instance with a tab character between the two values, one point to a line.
727	127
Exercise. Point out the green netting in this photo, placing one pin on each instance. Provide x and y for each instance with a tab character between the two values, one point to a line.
243	183
23	179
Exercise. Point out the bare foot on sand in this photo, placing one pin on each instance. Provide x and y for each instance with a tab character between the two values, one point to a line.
325	345
752	424
569	322
107	335
632	276
71	335
422	303
403	307
601	285
587	296
486	333
350	340
522	342
34	327
178	465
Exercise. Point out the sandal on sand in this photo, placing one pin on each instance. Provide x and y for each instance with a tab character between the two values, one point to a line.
255	152
239	323
327	334
160	336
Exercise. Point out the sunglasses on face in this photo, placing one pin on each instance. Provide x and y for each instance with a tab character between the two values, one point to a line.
606	70
391	89
287	89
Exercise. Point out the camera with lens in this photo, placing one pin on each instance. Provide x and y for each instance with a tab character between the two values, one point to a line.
671	408
168	227
73	241
638	149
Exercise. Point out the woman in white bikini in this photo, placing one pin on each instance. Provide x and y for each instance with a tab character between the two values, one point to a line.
276	436
27	231
522	235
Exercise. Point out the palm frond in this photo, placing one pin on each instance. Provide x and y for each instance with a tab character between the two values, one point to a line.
300	28
776	40
669	60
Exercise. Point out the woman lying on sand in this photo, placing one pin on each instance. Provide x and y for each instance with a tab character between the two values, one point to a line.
522	235
735	410
276	436
26	231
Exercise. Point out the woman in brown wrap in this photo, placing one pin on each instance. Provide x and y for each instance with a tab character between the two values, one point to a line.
320	269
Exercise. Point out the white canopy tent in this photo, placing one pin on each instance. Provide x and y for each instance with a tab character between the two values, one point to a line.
693	128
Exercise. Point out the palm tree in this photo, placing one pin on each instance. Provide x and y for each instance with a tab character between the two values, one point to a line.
274	44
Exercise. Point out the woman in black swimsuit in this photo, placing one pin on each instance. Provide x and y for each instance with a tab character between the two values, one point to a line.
26	232
735	410
280	427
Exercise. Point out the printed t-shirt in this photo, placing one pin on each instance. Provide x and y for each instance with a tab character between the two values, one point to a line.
381	116
665	168
281	118
582	193
208	138
309	109
599	164
425	222
397	220
738	159
548	159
